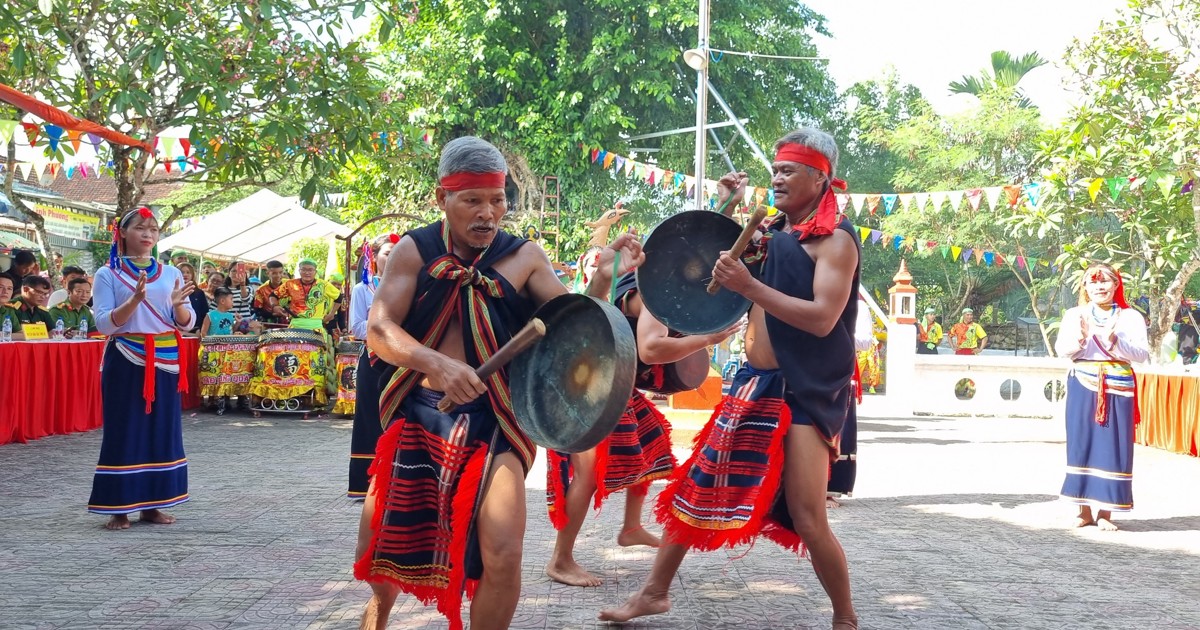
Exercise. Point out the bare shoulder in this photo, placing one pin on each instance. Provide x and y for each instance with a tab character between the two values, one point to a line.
532	254
405	257
839	246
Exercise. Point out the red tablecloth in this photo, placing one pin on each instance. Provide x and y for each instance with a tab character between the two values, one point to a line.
191	398
49	388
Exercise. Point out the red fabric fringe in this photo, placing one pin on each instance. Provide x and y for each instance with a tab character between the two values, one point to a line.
677	531
601	469
1101	399
556	493
462	513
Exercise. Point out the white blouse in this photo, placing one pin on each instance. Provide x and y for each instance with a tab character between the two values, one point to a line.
111	290
1132	344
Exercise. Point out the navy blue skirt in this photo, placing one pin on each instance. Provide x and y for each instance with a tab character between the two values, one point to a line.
367	427
845	469
1099	456
142	464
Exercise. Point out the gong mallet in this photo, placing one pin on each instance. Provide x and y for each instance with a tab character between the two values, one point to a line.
520	342
742	242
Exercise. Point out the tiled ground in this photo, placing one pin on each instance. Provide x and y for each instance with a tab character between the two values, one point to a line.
954	525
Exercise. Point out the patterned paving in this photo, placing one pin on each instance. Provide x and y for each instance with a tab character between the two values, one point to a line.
954	525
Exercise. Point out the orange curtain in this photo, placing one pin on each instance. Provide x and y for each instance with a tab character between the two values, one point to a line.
1169	405
56	116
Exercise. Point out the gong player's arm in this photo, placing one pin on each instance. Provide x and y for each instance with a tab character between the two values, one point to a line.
393	298
543	284
836	260
656	346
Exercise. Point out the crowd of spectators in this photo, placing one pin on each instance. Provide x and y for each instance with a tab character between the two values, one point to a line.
229	299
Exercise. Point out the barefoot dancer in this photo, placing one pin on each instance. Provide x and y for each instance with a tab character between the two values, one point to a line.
787	406
367	427
453	293
1102	336
141	305
638	451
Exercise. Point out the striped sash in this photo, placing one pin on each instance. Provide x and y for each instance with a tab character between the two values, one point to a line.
1108	377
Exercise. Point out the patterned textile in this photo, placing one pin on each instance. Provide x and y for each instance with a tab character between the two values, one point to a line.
488	308
142	465
226	362
312	301
637	452
429	470
724	494
1100	448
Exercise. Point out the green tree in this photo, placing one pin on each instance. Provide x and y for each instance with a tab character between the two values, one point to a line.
867	111
992	144
541	78
264	87
1118	162
1007	72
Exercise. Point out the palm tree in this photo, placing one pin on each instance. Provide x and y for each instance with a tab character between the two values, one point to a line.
1007	72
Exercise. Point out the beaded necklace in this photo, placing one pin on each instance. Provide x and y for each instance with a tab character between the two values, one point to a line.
1107	317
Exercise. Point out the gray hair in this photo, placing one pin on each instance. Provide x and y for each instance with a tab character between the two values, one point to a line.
469	154
814	139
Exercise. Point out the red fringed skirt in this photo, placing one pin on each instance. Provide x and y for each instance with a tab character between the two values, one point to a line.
730	491
429	469
637	452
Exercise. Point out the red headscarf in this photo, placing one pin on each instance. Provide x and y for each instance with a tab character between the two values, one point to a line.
827	216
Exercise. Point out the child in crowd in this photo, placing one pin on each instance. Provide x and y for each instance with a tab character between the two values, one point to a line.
220	321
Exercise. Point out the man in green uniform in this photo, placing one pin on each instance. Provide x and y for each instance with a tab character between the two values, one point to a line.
75	309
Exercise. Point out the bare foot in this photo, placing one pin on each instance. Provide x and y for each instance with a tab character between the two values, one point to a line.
831	502
157	517
118	521
846	624
1083	522
634	536
570	573
639	604
1106	525
1084	518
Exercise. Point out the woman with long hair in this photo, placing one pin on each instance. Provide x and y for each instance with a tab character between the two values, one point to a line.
1104	337
142	305
198	299
237	281
367	425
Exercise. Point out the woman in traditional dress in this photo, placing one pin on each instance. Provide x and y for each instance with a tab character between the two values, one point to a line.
142	306
198	299
367	425
1103	336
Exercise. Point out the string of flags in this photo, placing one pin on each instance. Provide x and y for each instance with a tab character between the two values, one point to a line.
873	204
172	154
680	183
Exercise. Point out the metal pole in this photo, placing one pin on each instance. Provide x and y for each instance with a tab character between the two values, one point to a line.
758	152
702	106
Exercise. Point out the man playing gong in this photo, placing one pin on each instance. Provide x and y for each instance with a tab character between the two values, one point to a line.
445	511
761	464
638	451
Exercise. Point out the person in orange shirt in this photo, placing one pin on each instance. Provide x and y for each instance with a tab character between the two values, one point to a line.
967	336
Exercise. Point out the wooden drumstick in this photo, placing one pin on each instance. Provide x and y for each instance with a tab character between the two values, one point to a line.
520	342
742	242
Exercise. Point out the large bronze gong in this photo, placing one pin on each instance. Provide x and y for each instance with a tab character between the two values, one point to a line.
570	389
680	255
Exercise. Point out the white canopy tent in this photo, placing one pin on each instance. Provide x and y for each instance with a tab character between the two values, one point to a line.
257	229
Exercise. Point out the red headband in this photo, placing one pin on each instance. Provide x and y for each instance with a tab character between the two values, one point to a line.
827	216
468	181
